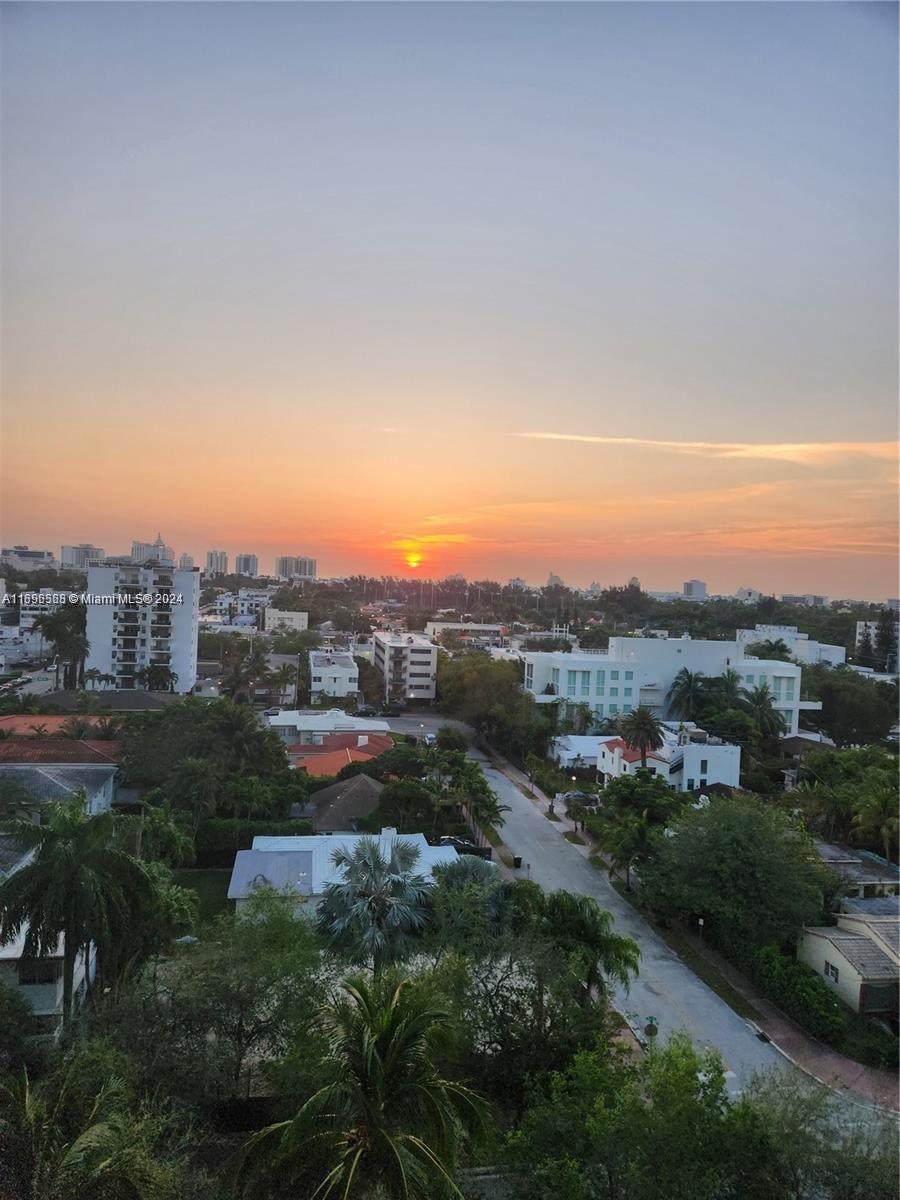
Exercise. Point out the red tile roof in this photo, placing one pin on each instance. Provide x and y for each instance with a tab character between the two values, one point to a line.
629	755
329	763
23	724
59	750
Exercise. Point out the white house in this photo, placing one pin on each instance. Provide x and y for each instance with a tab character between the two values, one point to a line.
305	864
332	673
572	751
800	646
312	726
688	760
126	638
465	629
275	619
634	672
61	781
407	663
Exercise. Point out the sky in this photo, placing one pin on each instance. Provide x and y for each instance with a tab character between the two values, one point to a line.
602	289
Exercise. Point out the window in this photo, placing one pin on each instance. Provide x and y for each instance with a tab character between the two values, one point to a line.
585	683
626	691
570	682
629	674
614	691
614	674
38	970
750	679
317	678
690	785
554	675
529	675
601	680
613	709
704	765
598	710
831	972
626	708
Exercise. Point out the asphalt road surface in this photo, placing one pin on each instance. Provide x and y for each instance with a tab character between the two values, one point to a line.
665	988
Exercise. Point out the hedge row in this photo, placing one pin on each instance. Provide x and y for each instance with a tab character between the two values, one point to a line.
219	838
801	993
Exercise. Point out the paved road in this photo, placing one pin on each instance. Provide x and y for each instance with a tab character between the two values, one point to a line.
665	988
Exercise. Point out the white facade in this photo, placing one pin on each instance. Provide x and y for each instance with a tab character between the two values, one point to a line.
332	674
799	644
748	595
694	589
81	556
275	619
872	626
186	562
292	566
216	562
127	638
246	602
246	564
688	759
23	558
157	551
407	663
640	671
806	601
311	727
37	604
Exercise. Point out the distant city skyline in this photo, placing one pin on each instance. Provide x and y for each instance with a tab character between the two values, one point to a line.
602	289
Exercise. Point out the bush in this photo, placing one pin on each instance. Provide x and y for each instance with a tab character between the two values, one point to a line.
799	991
450	738
219	838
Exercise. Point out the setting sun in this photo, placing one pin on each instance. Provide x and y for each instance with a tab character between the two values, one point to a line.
413	560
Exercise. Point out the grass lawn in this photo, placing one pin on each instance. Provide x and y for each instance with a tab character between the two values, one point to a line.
701	967
210	884
571	836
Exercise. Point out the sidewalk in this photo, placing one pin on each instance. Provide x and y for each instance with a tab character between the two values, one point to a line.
868	1085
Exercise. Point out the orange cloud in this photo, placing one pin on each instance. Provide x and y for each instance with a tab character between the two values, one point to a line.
806	453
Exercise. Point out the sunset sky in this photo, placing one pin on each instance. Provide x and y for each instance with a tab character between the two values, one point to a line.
603	289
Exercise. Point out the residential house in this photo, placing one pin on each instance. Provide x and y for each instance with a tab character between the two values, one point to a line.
859	957
799	645
332	673
304	865
344	803
688	760
310	727
337	751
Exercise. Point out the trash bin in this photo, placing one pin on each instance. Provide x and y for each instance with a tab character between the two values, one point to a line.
517	861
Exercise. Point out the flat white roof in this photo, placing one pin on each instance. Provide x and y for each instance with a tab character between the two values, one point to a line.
332	720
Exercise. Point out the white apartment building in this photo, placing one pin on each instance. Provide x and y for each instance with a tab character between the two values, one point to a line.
688	759
186	562
246	602
127	638
872	626
246	564
81	556
38	604
332	673
640	671
806	601
284	620
694	589
22	558
799	645
290	566
216	562
407	663
157	551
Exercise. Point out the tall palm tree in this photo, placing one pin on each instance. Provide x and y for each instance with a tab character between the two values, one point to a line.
627	840
760	705
728	688
386	1123
156	835
93	676
106	1153
373	913
686	693
283	678
79	886
107	728
580	925
195	785
642	731
876	816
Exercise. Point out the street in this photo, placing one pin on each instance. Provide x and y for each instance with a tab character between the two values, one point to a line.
665	988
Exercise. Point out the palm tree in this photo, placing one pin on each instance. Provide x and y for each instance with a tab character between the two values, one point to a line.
728	688
105	1152
77	728
386	1123
580	925
772	648
373	913
627	840
92	676
195	785
155	835
283	678
16	802
760	704
876	816
686	693
642	731
108	679
78	886
107	728
39	729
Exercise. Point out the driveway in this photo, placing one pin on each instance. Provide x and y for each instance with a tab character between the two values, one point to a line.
665	988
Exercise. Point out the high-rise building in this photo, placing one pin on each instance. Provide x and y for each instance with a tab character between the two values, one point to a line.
288	566
81	556
144	645
694	589
216	562
554	581
186	562
25	559
246	564
156	551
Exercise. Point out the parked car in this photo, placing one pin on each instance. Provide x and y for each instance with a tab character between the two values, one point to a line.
366	710
464	846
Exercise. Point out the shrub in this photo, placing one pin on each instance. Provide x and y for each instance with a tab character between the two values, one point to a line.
799	991
219	838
